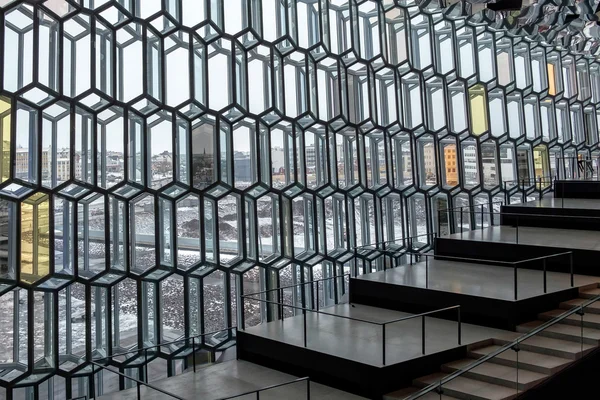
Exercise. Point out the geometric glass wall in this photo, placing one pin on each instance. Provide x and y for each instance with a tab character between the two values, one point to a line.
159	158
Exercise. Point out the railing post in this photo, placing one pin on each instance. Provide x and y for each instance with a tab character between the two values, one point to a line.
194	352
243	313
317	295
308	389
459	328
581	314
304	317
93	381
482	217
571	264
515	279
423	334
258	395
280	301
383	343
139	393
461	222
426	272
517	231
384	266
355	263
544	264
146	364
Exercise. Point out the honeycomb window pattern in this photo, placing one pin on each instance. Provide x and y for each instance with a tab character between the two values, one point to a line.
160	158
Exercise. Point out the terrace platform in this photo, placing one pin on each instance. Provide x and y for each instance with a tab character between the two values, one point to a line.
486	293
508	243
577	188
232	378
563	213
347	354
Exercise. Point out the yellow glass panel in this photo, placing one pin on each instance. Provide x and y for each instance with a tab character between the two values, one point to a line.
35	238
551	83
477	105
5	109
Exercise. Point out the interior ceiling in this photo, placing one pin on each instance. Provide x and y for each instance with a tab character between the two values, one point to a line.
569	24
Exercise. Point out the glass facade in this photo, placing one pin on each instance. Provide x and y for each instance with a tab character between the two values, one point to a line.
160	158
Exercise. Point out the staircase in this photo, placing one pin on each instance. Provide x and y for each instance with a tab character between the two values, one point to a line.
539	357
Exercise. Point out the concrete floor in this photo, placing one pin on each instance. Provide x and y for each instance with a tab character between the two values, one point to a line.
232	378
476	279
547	237
551	202
362	341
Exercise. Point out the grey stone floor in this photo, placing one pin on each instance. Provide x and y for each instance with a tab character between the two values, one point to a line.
476	279
551	202
547	237
232	378
362	341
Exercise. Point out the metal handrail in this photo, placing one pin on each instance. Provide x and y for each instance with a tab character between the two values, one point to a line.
394	241
534	179
297	284
518	215
94	364
382	324
192	338
257	391
512	345
490	203
514	264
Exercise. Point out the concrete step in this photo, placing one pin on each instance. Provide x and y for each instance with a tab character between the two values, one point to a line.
532	361
589	320
589	293
404	393
497	374
468	389
564	332
593	308
552	347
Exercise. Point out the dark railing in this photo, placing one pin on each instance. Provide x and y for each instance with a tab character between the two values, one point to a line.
514	345
314	294
577	167
192	340
477	209
514	264
137	381
383	325
543	185
516	218
257	392
407	243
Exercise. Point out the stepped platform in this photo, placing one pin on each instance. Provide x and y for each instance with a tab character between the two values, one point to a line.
486	293
507	243
564	213
347	354
577	188
232	378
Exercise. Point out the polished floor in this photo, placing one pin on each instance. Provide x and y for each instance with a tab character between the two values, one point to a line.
551	202
476	279
547	237
362	340
230	379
